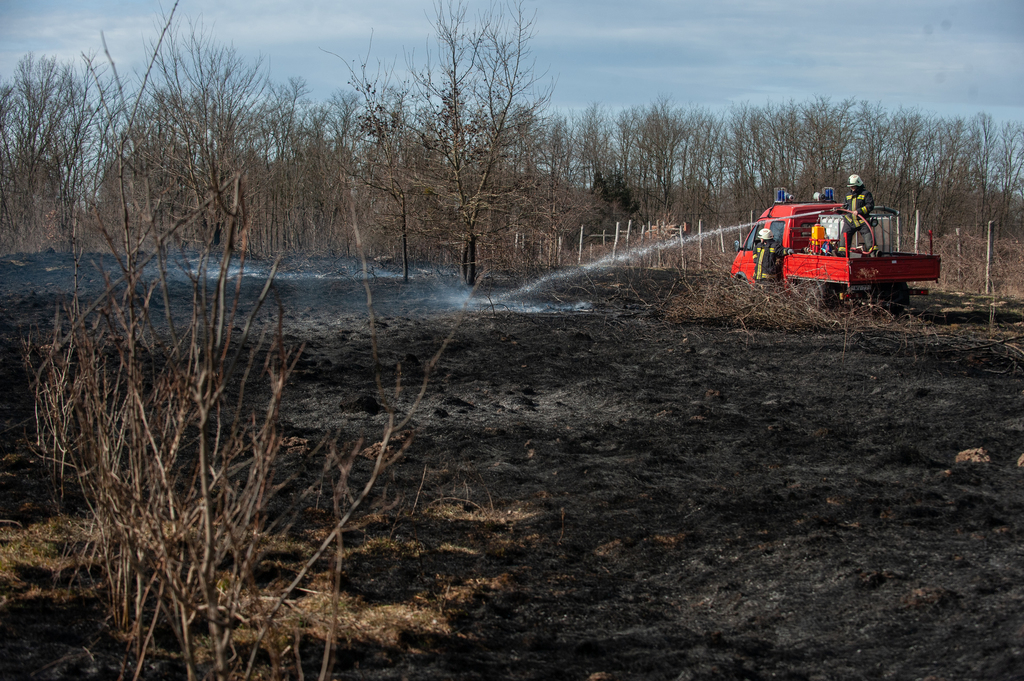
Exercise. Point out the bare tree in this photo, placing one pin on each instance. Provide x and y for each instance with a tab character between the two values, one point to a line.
948	174
462	153
389	163
47	136
476	91
705	179
330	139
205	104
662	149
826	133
592	129
1009	173
558	172
908	148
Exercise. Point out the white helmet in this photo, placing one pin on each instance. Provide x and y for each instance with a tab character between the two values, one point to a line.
764	234
855	181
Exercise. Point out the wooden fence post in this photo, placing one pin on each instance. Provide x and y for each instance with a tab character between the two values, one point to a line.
615	244
682	258
917	229
579	257
988	258
700	243
661	230
959	261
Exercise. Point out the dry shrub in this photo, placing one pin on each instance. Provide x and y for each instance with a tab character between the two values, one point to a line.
176	471
716	299
177	467
161	401
964	258
171	428
976	349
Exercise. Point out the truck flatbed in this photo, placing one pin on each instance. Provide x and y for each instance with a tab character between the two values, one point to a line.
889	268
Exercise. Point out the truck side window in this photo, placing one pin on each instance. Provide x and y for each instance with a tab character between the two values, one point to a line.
748	245
778	226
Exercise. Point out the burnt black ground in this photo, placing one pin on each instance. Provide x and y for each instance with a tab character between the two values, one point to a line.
657	501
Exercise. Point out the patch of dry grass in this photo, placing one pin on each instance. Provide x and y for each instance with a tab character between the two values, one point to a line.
29	554
978	330
384	624
713	298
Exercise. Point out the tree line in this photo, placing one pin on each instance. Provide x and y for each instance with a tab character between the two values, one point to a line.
462	158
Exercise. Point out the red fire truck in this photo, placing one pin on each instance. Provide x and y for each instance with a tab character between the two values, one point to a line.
811	231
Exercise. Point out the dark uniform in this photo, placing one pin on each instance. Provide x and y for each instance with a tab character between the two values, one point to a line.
861	203
767	259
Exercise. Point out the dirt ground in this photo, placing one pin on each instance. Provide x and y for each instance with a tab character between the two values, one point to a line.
596	493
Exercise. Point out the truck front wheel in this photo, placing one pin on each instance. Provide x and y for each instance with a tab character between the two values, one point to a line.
818	293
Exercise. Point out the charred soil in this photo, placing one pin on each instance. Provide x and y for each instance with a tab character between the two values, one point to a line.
594	492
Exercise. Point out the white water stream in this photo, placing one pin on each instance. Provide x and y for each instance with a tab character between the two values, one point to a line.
610	260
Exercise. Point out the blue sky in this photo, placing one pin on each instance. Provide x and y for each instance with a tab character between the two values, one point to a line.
949	57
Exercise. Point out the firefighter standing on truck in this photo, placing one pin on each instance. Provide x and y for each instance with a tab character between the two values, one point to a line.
767	257
860	203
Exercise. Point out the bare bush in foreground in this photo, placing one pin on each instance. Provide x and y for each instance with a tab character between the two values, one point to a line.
163	397
177	469
172	430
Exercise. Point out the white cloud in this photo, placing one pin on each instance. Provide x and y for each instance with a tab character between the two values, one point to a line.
949	55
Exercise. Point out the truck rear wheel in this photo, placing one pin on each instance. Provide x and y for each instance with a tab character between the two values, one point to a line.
893	298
